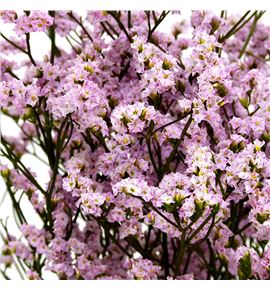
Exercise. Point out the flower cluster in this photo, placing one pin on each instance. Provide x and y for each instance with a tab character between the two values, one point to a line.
156	146
35	21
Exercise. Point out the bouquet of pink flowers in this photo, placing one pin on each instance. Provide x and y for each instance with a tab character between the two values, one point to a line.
155	144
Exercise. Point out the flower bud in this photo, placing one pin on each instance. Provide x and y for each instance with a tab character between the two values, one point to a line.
244	102
166	64
5	173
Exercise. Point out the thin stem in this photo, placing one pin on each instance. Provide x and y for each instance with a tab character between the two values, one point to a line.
179	141
80	24
129	20
18	164
157	23
149	205
164	242
13	44
213	213
9	71
120	24
29	49
72	46
107	30
242	25
180	254
251	32
235	26
170	123
152	157
52	37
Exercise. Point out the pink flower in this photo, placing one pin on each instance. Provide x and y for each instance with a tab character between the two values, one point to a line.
36	21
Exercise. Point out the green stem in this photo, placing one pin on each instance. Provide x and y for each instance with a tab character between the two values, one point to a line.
107	30
29	49
175	148
232	30
120	24
165	254
13	44
80	24
52	37
149	205
212	214
18	164
180	254
129	20
251	32
157	23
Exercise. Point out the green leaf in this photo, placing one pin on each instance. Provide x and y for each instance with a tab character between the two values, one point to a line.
244	102
199	209
245	267
150	128
262	217
170	207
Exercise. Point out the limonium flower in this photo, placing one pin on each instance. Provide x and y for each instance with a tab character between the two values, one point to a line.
155	146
